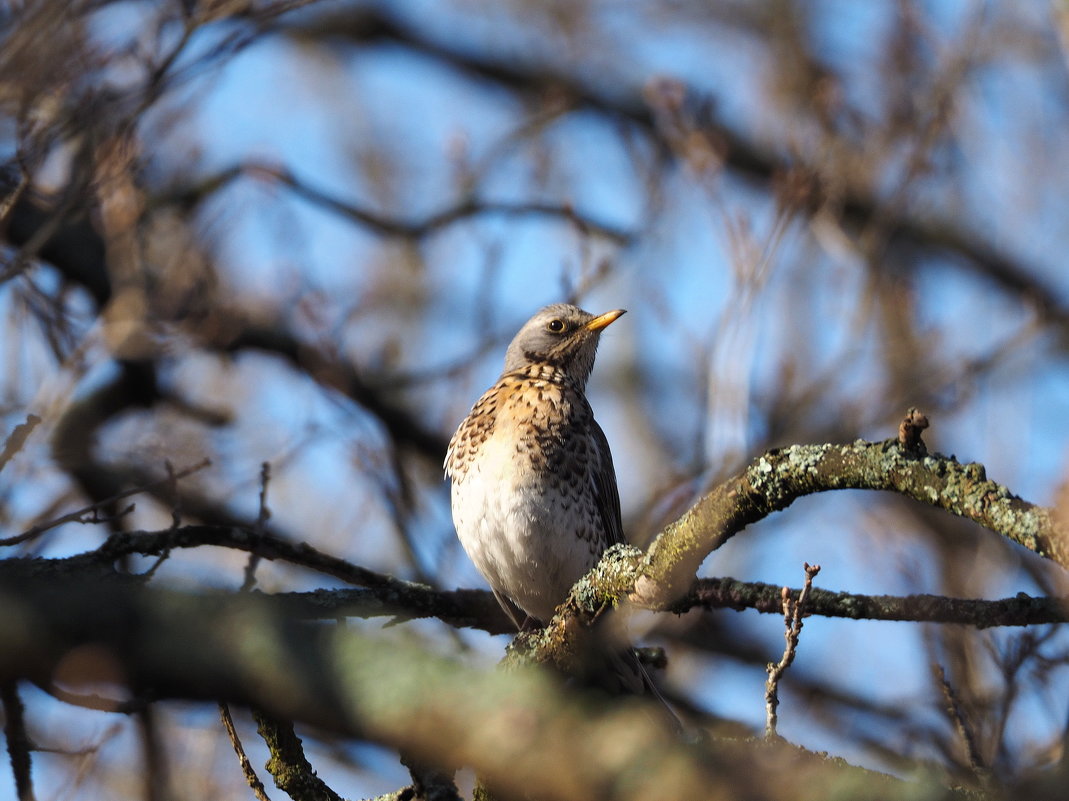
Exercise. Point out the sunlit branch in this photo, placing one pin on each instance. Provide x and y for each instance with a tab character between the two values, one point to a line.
773	481
380	595
1019	610
794	609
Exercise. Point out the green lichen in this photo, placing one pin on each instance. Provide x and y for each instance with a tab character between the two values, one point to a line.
612	577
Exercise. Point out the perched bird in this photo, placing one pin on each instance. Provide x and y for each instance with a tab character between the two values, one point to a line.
534	494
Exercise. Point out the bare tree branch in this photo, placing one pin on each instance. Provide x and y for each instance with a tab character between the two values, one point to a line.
964	729
906	233
18	741
398	695
247	769
290	768
465	209
16	439
794	609
92	512
391	596
1020	610
387	596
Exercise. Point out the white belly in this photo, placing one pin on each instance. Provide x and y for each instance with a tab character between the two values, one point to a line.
506	521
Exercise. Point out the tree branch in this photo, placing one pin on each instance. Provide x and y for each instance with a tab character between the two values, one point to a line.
290	768
387	596
247	769
17	438
390	596
856	204
794	609
178	645
1020	610
464	209
18	741
772	482
665	574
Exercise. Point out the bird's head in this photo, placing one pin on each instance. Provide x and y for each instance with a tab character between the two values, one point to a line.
563	336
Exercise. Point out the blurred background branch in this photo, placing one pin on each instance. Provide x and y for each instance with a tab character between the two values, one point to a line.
302	233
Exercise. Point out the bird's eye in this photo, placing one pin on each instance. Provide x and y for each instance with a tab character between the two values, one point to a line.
555	326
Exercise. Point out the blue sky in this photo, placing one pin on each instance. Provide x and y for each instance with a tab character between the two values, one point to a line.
390	130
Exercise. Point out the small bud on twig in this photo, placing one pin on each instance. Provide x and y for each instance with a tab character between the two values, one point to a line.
909	431
793	612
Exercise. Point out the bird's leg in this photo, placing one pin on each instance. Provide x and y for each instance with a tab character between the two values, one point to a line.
531	624
600	612
519	618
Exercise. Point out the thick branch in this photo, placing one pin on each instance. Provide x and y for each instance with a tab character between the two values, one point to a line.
289	766
775	480
662	577
386	596
520	729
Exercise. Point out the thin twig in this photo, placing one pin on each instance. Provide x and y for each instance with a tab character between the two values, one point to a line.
464	209
7	204
172	491
247	584
262	517
90	513
965	731
17	438
156	772
251	778
1019	610
793	612
264	513
18	742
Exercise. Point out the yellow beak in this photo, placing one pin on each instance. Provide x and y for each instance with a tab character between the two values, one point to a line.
602	320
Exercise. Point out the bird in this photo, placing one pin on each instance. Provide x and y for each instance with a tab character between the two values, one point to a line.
534	496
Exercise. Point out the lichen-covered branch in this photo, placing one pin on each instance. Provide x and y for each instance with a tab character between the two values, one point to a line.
522	730
773	481
1020	610
379	595
290	768
664	578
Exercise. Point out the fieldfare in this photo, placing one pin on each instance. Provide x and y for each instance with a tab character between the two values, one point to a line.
534	492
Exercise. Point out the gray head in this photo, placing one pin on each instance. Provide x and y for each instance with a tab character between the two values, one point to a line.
560	335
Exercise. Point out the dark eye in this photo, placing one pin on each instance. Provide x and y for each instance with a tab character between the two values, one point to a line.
555	326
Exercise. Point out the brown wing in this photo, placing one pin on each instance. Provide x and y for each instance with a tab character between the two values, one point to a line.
605	484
